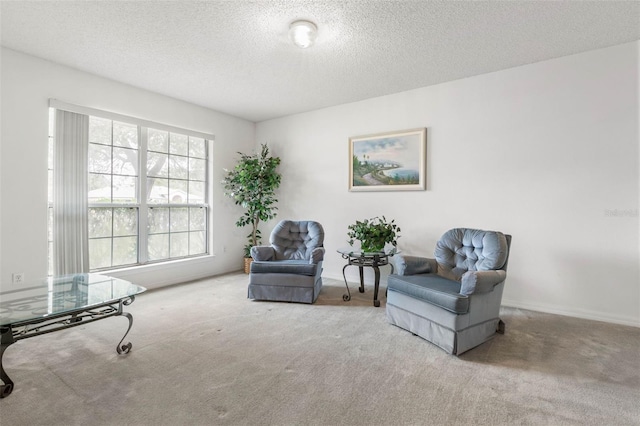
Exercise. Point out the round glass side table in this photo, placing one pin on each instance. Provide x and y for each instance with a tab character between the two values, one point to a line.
360	258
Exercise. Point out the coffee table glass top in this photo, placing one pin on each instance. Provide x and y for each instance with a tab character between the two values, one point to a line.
57	295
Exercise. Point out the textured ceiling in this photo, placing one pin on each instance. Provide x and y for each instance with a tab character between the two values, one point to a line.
235	56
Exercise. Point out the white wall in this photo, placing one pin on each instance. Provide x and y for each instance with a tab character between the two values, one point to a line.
546	152
27	83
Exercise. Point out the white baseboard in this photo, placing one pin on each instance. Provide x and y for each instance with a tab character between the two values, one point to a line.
173	272
557	310
572	312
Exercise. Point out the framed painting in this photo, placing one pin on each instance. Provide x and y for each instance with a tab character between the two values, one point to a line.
393	161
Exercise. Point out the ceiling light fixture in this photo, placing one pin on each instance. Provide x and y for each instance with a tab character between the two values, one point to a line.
303	33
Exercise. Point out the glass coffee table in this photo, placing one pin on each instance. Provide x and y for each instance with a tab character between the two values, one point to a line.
362	259
59	303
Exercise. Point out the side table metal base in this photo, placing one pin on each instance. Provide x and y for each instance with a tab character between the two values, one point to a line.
373	261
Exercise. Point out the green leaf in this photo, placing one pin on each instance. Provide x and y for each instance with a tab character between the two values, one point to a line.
373	233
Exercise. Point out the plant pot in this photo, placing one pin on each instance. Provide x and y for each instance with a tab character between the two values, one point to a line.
247	264
371	247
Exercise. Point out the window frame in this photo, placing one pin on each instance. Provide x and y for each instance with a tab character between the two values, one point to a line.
142	203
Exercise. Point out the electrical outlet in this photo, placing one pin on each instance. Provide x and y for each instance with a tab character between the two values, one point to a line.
18	277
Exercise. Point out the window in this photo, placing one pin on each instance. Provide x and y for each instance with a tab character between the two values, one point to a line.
50	194
147	193
113	193
176	191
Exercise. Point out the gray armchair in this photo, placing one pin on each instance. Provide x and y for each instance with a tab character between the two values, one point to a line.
289	270
453	300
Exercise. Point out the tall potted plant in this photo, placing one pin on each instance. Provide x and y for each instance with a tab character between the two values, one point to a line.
252	184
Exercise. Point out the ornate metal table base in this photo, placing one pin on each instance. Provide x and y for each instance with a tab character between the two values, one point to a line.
372	260
19	330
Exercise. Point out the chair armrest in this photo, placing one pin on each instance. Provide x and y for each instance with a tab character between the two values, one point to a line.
263	253
317	255
411	265
480	281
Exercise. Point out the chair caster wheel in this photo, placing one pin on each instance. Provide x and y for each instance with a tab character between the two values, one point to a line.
6	389
361	290
346	297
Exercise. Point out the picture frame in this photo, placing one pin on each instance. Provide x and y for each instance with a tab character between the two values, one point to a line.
391	161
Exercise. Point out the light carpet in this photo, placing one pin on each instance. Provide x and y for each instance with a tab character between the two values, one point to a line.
203	354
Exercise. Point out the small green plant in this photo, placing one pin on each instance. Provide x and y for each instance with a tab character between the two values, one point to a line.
252	184
374	233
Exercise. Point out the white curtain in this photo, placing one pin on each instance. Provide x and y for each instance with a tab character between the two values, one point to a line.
70	193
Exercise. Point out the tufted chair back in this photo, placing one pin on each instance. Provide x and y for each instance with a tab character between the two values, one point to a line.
461	250
295	240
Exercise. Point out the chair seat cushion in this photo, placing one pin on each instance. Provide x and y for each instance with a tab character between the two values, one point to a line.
431	288
296	267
